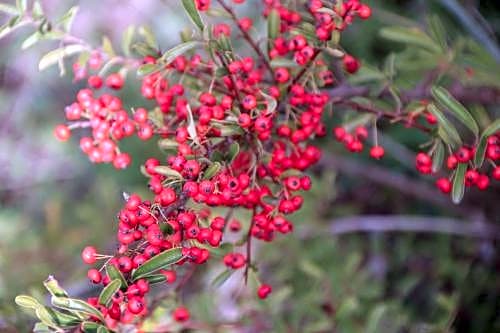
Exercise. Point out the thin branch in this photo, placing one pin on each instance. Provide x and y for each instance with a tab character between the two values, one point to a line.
413	224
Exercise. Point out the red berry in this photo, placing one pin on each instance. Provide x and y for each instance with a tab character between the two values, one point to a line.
351	64
136	305
89	255
94	275
264	290
377	152
181	314
115	81
62	132
444	185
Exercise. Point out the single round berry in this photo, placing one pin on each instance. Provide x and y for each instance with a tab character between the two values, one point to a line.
62	132
89	255
181	314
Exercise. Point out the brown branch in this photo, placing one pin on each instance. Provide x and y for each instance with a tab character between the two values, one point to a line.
417	224
247	36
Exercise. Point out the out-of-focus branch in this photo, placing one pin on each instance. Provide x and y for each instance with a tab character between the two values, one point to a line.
414	224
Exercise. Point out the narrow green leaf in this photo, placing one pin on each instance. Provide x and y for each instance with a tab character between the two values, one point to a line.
91	327
191	127
169	172
212	170
107	46
167	144
358	120
273	25
452	137
272	103
147	69
42	328
66	21
437	31
458	189
160	261
481	147
27	302
8	9
31	40
56	55
194	15
5	30
37	10
155	278
283	62
410	36
77	305
458	110
222	277
44	316
54	288
179	50
113	274
148	36
107	292
60	319
438	156
375	320
234	150
21	5
127	38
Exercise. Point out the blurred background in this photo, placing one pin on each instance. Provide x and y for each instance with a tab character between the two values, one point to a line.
327	275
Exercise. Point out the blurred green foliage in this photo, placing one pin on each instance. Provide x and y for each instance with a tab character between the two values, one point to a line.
351	283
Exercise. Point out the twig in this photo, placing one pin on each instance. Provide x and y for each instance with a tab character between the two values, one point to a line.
418	224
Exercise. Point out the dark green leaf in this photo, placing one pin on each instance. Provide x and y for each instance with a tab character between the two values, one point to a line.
212	170
438	156
91	327
449	133
234	150
222	277
107	292
179	50
481	147
458	110
194	15
54	288
458	189
437	31
76	305
155	278
160	261
114	273
410	36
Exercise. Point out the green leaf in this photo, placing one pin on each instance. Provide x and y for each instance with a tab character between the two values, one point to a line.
167	144
148	36
437	31
178	50
37	10
54	288
8	9
481	147
21	5
169	172
76	305
283	62
458	110
272	103
107	47
107	292
410	36
234	150
155	278
114	273
31	40
438	156
147	69
447	131
42	328
212	170
375	321
60	319
160	261
273	25
127	38
358	120
56	55
457	192
66	21
27	302
222	277
45	317
91	327
5	30
194	15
